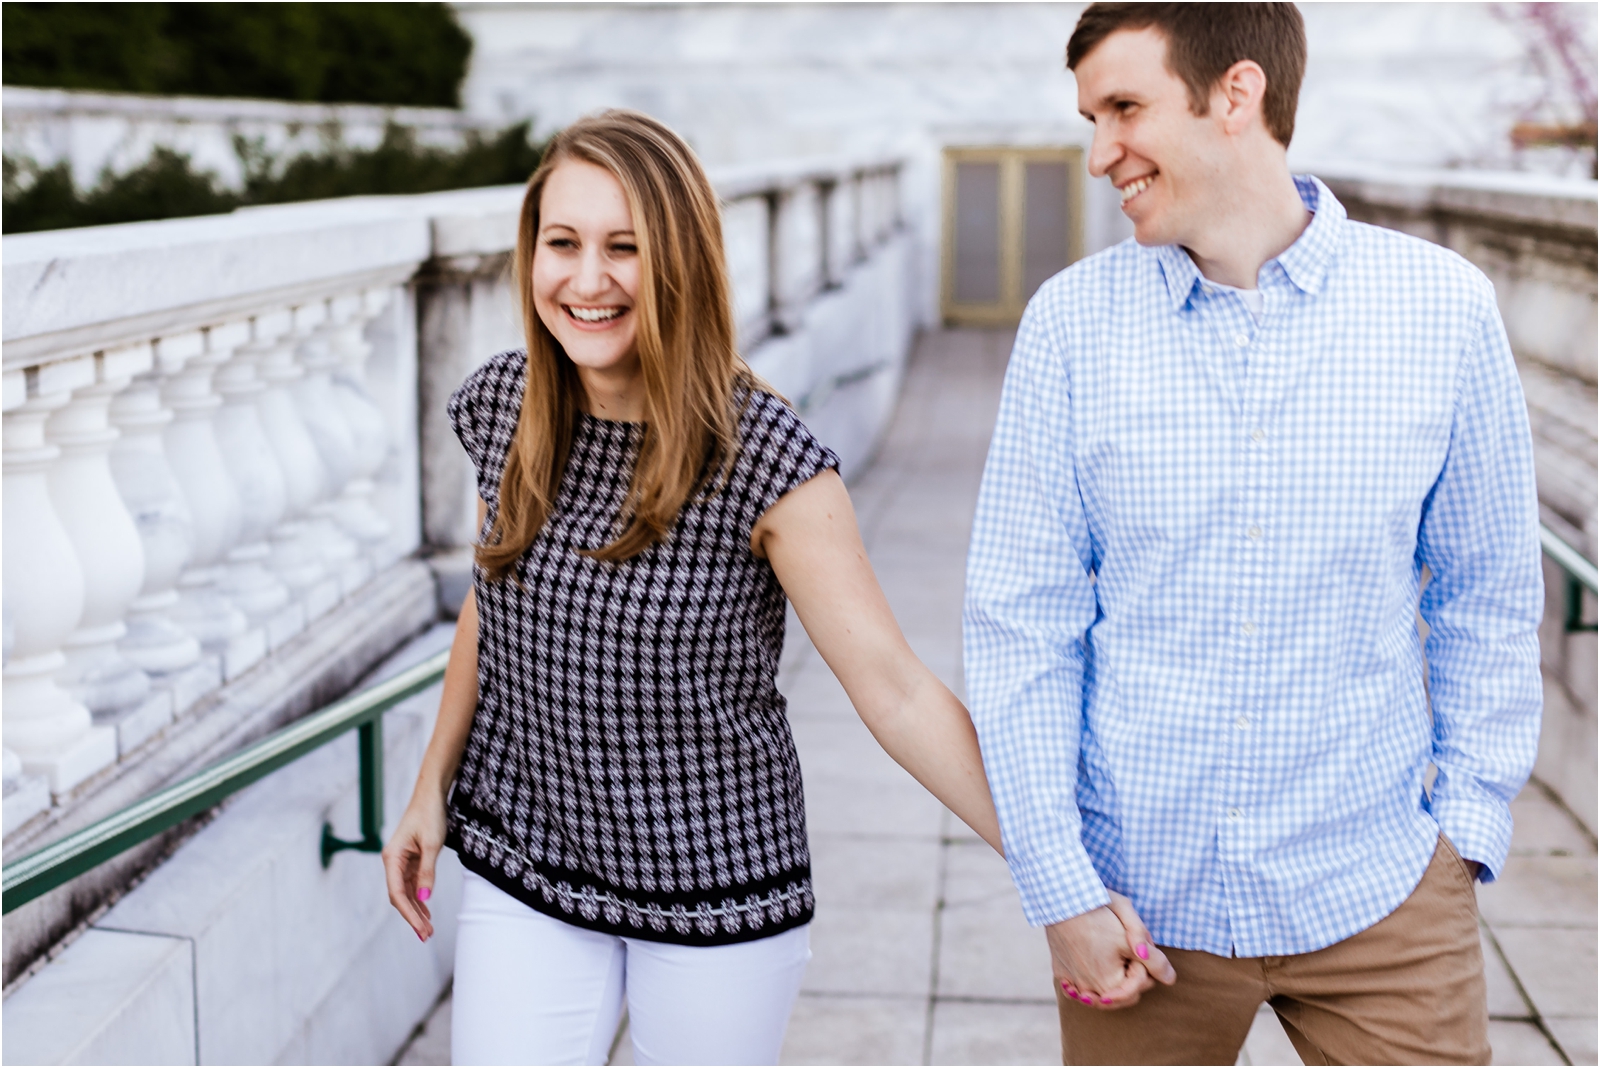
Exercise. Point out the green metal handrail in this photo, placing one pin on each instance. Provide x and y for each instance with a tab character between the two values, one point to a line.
1580	571
44	870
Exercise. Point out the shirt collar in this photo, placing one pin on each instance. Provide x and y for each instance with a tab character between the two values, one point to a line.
1305	263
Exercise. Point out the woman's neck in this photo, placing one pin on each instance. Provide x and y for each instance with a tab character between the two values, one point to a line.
612	393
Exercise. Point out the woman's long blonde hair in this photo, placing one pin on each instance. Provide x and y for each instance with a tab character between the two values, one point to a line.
685	341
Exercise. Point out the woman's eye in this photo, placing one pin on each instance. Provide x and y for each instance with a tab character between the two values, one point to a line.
561	243
625	249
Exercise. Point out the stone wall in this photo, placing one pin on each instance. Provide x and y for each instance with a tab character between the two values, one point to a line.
1535	239
116	132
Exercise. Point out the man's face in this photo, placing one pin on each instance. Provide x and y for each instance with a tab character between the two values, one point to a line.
1166	161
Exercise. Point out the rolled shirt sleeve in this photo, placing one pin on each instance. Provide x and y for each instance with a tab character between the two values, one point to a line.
1479	538
1029	604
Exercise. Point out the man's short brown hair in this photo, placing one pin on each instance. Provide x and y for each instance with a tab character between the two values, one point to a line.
1204	40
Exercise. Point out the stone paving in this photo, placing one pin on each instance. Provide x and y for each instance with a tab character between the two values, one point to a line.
921	955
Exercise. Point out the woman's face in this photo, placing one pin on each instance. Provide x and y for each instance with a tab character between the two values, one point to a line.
586	267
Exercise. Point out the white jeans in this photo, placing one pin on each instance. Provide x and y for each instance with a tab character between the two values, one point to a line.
530	989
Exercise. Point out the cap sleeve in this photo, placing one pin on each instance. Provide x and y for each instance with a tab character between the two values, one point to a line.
483	412
779	452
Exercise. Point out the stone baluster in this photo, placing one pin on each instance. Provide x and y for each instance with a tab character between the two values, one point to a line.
110	554
297	554
50	732
166	652
263	497
316	326
369	432
196	460
23	796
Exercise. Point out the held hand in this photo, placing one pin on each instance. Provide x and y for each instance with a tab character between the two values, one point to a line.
408	861
1106	958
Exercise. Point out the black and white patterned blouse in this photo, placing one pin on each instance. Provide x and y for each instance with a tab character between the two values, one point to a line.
630	768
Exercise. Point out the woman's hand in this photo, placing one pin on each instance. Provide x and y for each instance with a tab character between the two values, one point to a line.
1106	958
409	858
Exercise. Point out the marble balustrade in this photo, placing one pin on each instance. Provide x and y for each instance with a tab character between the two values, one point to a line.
217	429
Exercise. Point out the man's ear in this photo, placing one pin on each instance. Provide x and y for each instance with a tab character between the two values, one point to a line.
1238	95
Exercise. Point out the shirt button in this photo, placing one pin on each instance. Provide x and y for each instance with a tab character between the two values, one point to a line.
1254	533
1258	434
1234	815
1242	722
1242	340
1249	627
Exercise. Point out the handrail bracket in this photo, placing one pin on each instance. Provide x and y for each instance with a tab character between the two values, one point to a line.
369	742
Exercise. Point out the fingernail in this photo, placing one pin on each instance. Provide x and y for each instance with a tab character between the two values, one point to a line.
423	893
420	938
1143	951
1105	1001
1086	999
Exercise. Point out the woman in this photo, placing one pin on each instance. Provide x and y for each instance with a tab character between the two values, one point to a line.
626	796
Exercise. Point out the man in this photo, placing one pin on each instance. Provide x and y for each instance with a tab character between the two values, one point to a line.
1228	453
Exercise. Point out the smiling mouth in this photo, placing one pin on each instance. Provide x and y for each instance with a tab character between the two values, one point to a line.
1135	187
593	315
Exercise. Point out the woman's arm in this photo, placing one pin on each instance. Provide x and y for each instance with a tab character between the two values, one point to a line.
408	859
810	538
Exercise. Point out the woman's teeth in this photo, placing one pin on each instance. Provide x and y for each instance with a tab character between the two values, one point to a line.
594	315
1135	187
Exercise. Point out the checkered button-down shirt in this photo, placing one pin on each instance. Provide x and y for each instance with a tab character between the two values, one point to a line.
1191	648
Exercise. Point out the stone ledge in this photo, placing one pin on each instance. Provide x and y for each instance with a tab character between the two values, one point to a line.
313	669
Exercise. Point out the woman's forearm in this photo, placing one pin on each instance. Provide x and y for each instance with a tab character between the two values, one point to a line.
927	731
457	705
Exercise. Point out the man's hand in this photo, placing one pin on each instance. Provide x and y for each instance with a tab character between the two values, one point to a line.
1106	958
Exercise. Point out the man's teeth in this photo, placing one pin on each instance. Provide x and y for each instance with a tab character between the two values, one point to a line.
594	315
1135	187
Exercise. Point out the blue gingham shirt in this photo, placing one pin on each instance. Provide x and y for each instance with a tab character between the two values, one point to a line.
1191	644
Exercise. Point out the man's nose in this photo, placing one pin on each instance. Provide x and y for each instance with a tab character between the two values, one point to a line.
1104	152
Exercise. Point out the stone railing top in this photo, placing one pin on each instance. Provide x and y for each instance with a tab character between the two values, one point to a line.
66	292
1516	196
21	102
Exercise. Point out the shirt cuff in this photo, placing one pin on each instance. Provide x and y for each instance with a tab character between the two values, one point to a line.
1479	828
1058	886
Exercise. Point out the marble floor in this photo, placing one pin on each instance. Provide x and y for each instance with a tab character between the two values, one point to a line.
921	955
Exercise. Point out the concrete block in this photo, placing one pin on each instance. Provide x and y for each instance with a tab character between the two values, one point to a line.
189	684
1542	890
284	624
95	750
825	1029
986	948
30	797
134	726
243	653
113	997
967	1032
1517	1042
1542	827
1575	1036
1556	967
875	873
870	951
1505	1000
432	1044
836	804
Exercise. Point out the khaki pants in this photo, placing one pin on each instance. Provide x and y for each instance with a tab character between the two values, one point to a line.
1407	990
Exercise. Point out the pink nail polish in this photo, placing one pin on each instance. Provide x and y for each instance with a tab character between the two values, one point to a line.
1087	1000
423	893
1143	951
1105	1001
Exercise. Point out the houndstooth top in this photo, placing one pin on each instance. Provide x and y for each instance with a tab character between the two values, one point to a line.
630	768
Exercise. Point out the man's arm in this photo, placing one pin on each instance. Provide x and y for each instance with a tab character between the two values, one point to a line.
1479	537
1029	605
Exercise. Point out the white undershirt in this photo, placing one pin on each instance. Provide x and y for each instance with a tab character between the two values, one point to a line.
1253	299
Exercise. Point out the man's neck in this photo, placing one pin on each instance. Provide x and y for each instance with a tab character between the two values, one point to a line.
1255	222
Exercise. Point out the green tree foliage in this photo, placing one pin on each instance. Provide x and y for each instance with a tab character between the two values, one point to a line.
167	185
374	53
